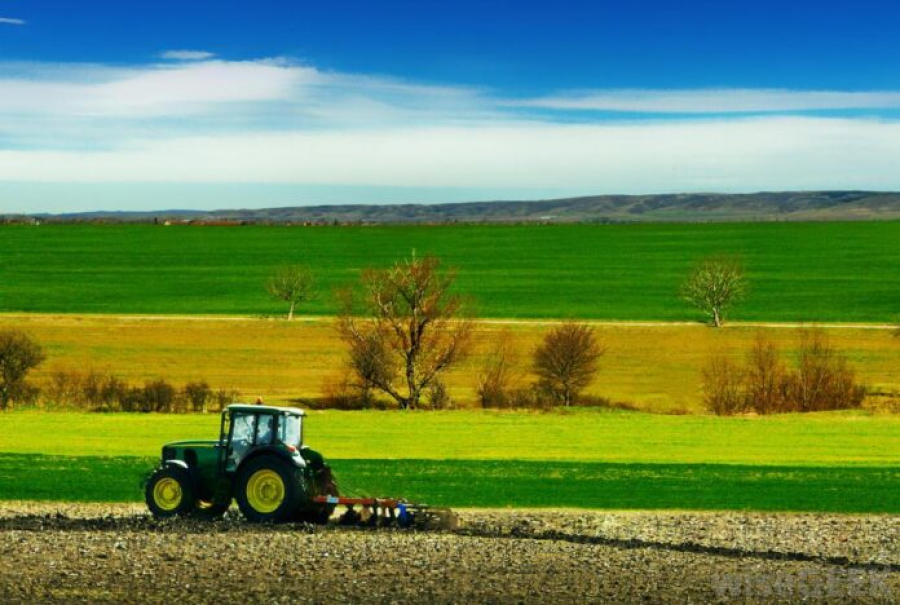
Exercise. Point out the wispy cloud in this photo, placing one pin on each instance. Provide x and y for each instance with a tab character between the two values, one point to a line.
186	55
12	21
280	121
708	101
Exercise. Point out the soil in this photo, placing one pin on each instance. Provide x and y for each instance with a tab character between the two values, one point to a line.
117	553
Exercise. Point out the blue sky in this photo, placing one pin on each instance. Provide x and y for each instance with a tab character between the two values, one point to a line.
138	105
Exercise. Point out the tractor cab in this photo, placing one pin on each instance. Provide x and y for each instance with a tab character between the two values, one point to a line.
248	429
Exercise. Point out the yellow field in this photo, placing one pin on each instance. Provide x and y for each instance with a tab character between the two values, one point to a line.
655	367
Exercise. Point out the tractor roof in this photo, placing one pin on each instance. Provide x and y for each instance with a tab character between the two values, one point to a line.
264	409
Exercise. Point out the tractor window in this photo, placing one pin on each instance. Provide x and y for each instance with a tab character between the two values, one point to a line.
242	436
289	430
265	430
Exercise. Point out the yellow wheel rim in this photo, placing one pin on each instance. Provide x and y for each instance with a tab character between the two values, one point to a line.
167	493
265	491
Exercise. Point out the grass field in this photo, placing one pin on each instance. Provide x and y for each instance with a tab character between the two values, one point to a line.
798	271
655	367
823	462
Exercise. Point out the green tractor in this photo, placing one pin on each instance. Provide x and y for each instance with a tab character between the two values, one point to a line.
259	460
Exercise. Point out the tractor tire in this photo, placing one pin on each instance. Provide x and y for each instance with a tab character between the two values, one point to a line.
269	490
170	493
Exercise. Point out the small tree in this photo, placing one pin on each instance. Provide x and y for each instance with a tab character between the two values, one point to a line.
497	376
410	329
566	360
292	284
766	378
723	385
18	355
714	285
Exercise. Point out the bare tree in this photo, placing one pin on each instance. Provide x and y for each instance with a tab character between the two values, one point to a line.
292	284
714	285
723	385
409	331
18	355
497	376
566	360
766	377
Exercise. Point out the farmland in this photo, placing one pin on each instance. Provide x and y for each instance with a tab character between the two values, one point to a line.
845	272
822	462
656	368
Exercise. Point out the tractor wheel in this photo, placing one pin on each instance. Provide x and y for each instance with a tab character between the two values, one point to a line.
170	492
269	489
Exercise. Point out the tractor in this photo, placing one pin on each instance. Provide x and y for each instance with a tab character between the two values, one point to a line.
259	460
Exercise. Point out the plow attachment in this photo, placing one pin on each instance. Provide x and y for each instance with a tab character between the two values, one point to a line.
391	512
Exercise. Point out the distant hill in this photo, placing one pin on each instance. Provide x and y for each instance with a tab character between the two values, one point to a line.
684	207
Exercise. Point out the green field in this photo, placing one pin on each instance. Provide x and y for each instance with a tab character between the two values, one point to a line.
798	271
845	462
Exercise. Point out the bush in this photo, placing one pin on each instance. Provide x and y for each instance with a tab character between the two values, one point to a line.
158	396
566	361
498	377
197	395
723	386
19	354
822	380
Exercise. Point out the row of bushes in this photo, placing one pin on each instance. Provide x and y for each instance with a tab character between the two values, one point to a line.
820	380
94	390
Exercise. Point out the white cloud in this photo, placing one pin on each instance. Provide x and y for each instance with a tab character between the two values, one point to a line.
715	101
280	121
769	153
186	55
12	21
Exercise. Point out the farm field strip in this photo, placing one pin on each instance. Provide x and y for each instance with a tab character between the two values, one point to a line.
656	368
822	439
825	272
509	483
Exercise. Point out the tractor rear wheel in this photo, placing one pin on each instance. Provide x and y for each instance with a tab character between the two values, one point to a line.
170	492
269	489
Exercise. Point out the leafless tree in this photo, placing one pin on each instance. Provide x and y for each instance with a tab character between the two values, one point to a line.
409	330
566	360
19	353
766	377
723	385
714	285
292	284
497	376
824	379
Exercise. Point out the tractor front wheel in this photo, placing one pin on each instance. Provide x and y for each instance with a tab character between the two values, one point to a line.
170	492
269	489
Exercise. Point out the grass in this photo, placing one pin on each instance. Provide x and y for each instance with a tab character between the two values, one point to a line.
504	483
823	439
656	368
797	271
838	462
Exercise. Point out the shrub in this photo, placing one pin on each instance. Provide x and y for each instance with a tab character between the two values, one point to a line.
723	386
566	361
197	395
158	396
498	378
822	380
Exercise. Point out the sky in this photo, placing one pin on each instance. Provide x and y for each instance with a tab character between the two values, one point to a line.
154	105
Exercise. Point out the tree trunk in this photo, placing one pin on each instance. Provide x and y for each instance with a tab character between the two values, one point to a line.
717	318
291	311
